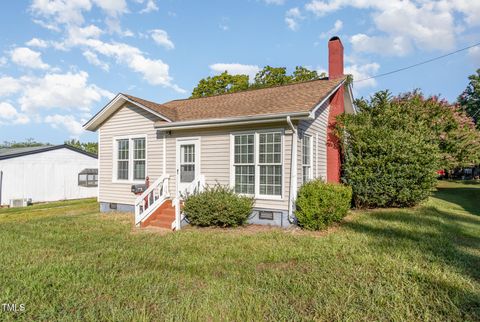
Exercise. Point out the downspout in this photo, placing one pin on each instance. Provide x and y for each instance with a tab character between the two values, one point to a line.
293	172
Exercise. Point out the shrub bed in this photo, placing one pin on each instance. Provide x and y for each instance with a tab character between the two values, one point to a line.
217	206
320	204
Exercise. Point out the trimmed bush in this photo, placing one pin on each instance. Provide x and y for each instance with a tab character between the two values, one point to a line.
217	206
391	152
320	204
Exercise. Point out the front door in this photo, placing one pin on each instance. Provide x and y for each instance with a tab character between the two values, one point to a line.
188	162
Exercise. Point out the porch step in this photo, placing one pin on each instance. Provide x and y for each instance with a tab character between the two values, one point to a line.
161	217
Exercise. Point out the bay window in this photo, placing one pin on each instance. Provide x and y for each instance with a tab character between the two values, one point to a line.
257	162
130	159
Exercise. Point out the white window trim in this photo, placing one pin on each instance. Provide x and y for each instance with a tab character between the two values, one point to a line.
130	158
310	176
256	150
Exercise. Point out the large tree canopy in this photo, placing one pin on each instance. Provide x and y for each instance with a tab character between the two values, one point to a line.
470	98
220	84
268	76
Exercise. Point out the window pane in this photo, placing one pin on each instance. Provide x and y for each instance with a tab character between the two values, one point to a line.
122	170
245	179
187	172
244	149
271	180
123	149
306	173
138	170
270	148
188	153
139	149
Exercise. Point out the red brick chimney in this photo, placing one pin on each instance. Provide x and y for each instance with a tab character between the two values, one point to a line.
337	107
335	58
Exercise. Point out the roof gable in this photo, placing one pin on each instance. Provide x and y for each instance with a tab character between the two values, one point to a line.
10	153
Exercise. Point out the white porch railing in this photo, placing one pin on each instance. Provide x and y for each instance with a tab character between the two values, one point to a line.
195	187
151	199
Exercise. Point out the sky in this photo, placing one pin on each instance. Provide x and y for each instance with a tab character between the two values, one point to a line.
61	61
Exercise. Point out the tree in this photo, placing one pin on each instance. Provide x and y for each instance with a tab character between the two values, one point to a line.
302	74
220	84
470	98
91	147
268	76
27	143
394	146
272	76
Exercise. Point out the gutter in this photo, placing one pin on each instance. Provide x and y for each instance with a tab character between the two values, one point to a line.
253	119
293	172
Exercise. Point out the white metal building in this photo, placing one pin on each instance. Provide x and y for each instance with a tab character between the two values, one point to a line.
47	173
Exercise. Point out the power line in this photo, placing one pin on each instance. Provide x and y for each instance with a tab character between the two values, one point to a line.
417	64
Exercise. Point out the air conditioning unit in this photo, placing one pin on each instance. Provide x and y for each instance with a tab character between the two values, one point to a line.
18	203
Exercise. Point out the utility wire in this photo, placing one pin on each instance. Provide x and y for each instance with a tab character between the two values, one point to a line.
417	64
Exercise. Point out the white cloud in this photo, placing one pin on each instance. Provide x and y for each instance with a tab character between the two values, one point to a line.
154	71
337	26
425	24
474	54
9	85
9	114
291	18
35	42
93	59
68	122
275	2
26	57
69	91
161	37
61	11
236	69
361	72
151	6
112	7
394	46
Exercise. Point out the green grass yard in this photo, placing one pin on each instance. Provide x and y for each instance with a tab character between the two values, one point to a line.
67	261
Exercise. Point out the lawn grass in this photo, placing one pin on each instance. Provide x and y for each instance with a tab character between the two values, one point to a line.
66	261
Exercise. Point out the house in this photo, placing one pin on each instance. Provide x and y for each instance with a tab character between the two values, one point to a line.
46	173
263	143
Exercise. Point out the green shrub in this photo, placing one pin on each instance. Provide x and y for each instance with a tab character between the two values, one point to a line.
320	204
391	153
217	206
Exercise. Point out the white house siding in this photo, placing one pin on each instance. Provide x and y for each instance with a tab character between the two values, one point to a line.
46	176
215	160
315	128
126	121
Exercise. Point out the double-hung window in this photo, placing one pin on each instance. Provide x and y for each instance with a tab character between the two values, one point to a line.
270	163
307	158
244	163
123	156
138	159
130	159
257	163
